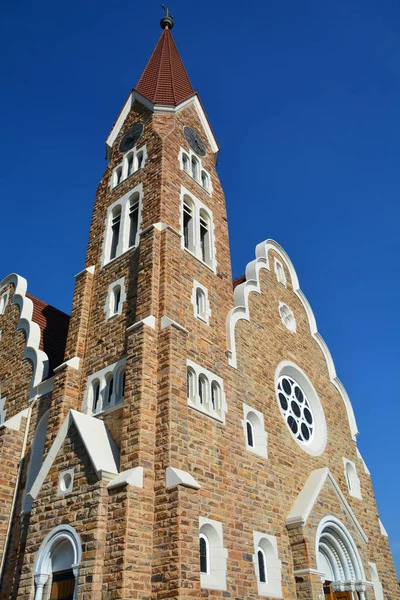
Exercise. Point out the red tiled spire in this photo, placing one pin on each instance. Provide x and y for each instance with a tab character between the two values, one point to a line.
164	80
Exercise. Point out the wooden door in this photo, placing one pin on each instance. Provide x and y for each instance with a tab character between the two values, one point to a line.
63	585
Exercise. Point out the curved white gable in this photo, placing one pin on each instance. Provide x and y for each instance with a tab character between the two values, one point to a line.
241	311
32	351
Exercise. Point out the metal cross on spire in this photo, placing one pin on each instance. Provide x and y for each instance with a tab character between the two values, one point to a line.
168	20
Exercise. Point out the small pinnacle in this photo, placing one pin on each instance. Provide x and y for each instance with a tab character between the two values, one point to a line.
167	22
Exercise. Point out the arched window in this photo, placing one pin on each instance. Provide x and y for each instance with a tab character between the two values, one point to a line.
57	564
262	566
201	304
133	220
121	384
204	554
250	434
116	299
204	180
205	237
185	162
140	160
130	164
188	225
115	229
203	385
109	391
95	395
279	272
195	168
118	175
215	396
191	384
35	460
352	479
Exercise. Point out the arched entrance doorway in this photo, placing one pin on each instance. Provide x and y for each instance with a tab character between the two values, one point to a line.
339	560
57	565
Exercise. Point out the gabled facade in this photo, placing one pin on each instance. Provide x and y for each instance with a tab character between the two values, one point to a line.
193	440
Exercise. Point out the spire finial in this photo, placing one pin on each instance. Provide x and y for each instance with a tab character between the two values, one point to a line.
167	21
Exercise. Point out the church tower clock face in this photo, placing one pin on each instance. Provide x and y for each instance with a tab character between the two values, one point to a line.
131	137
195	141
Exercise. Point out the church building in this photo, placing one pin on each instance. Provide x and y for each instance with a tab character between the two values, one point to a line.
180	434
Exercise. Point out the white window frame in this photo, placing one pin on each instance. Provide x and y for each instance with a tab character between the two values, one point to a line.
260	436
109	307
352	478
207	542
194	399
207	312
197	208
279	271
124	233
218	555
61	491
269	545
124	165
4	301
190	155
115	370
378	590
287	317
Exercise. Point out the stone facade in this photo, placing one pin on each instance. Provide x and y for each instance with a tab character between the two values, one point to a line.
141	540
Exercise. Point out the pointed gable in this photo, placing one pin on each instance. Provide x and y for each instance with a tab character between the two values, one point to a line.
164	80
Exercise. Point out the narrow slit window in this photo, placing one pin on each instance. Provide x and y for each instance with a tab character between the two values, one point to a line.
202	390
190	384
110	388
118	175
215	396
140	160
204	554
130	164
262	567
201	304
204	238
133	222
116	299
185	162
96	395
204	180
115	230
250	434
122	375
195	168
188	226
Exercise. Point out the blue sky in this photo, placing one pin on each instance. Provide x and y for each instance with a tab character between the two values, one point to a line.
304	100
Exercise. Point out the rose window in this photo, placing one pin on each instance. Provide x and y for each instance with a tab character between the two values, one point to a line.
296	409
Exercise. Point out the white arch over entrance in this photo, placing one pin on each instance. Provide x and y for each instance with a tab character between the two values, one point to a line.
338	557
63	536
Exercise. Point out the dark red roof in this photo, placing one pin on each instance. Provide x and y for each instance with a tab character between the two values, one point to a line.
239	280
53	325
164	80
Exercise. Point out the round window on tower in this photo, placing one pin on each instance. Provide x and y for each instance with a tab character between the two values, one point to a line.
301	408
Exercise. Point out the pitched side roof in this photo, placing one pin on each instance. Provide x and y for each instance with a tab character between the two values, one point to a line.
164	80
53	325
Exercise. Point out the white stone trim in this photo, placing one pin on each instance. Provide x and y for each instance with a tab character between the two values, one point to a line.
287	317
378	590
198	206
14	422
382	529
149	321
256	419
213	531
101	448
241	311
194	400
306	499
352	479
32	331
4	301
124	165
279	271
190	155
65	482
167	322
160	109
43	388
366	470
207	312
109	307
132	477
269	545
123	241
174	477
114	370
86	270
73	363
